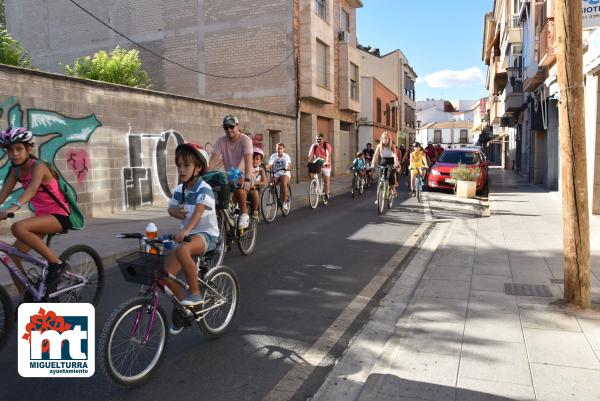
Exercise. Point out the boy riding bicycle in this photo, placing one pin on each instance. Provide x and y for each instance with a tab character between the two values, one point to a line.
42	190
259	178
193	202
358	165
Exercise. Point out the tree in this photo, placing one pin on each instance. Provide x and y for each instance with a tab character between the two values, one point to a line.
121	66
11	51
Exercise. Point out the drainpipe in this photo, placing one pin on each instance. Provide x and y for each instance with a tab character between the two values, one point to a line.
297	65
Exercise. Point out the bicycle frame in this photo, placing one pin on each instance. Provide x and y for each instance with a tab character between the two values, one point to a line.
6	251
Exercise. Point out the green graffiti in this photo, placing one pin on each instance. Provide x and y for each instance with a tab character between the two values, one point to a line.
43	123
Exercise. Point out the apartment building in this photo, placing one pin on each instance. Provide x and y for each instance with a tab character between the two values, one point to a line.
379	112
393	70
295	57
519	47
449	134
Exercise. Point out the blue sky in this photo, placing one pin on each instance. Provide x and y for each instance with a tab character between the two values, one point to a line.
442	40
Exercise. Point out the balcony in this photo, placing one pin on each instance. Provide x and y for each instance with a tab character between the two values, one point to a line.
548	44
512	96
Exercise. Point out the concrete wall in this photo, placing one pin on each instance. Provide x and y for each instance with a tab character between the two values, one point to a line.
115	145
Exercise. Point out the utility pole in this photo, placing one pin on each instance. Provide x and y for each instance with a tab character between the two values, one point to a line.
576	228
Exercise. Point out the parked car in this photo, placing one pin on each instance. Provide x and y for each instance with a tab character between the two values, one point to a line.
439	174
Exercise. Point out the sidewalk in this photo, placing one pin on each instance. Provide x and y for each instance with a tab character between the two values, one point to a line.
100	232
461	334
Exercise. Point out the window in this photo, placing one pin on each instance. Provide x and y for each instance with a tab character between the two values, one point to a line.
394	116
345	21
464	136
321	8
387	114
354	81
379	110
437	136
322	64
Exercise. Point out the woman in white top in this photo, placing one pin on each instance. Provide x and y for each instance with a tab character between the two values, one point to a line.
280	163
385	155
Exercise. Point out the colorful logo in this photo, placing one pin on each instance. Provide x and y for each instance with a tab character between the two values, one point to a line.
56	340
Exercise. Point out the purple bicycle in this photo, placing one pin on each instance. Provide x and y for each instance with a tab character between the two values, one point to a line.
134	338
83	281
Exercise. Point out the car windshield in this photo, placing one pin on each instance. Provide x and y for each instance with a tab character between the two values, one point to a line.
459	157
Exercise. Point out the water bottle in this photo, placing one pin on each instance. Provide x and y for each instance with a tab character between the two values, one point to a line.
151	233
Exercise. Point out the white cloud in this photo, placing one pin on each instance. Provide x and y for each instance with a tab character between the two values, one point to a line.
420	80
451	78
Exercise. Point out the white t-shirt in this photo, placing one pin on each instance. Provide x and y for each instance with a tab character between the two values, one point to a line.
278	163
201	193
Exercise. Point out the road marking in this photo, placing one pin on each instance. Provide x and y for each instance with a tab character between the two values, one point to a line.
293	380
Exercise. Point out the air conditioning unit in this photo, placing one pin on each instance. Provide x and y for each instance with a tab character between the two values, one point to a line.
344	36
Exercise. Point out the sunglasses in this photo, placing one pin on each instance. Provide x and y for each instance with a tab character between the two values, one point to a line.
318	139
228	127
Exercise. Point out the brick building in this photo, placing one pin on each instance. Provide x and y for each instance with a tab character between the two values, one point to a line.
379	112
308	48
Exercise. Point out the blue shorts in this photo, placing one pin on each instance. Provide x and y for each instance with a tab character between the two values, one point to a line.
210	242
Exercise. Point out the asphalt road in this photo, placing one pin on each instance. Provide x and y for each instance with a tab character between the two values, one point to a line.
305	271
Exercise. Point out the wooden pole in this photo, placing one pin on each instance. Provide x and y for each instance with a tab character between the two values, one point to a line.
576	230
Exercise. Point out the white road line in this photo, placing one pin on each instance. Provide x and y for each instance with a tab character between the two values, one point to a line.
293	380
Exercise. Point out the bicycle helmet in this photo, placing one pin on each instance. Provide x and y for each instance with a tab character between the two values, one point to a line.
197	150
417	144
258	151
16	135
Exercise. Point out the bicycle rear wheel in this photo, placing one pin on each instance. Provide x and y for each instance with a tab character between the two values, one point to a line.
247	236
313	193
133	342
268	204
7	317
84	263
381	189
285	212
418	184
224	281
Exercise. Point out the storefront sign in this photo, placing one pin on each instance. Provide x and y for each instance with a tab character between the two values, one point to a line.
591	13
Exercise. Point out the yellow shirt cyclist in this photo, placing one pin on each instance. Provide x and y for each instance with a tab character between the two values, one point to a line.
418	160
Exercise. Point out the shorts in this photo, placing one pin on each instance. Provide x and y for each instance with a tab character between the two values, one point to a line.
210	242
64	221
326	171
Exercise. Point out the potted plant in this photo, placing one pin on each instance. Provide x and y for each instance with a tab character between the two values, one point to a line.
465	180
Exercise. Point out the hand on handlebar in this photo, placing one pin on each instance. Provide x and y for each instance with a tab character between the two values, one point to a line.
182	235
246	185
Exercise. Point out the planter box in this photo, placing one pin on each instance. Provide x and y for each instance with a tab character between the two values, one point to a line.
466	189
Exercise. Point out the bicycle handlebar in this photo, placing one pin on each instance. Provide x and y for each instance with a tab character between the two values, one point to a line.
162	240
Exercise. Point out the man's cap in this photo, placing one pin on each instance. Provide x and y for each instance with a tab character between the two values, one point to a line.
230	120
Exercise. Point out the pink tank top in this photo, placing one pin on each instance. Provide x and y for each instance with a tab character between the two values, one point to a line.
42	202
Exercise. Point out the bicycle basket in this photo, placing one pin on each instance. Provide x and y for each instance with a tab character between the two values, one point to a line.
314	168
141	267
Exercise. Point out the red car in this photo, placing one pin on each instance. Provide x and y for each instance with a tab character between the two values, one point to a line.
439	174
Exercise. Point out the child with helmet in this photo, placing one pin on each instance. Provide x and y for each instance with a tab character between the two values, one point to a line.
41	189
193	203
259	178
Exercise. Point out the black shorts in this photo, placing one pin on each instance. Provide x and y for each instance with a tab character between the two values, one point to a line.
64	221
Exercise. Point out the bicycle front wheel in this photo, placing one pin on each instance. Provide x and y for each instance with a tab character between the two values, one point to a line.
85	266
247	237
268	204
133	342
354	185
313	193
7	317
381	190
223	298
418	184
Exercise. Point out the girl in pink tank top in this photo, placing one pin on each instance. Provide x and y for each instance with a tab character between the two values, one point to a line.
37	180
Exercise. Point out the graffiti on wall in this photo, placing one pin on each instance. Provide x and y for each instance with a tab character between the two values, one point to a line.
257	140
137	177
52	131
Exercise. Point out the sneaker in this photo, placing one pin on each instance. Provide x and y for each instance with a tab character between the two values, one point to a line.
326	197
55	271
244	221
174	329
286	207
255	215
191	300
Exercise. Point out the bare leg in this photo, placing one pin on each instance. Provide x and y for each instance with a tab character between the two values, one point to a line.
255	199
30	231
283	185
172	266
241	197
326	184
185	253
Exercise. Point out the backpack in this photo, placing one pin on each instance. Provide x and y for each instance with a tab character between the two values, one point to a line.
218	182
76	219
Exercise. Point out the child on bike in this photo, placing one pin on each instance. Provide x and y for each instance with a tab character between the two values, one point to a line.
358	165
259	178
193	203
280	163
39	185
